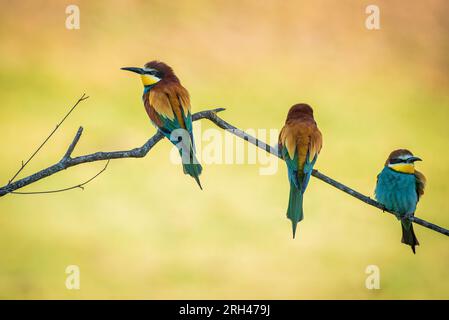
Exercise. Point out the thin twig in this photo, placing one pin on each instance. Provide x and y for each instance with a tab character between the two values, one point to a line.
83	97
80	186
140	152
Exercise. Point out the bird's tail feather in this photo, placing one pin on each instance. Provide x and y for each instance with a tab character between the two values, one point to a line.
294	211
190	163
408	235
193	169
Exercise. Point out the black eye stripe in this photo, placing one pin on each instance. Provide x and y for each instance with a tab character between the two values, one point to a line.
397	160
155	73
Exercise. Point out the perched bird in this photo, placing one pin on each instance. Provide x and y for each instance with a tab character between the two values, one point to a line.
300	142
167	103
399	188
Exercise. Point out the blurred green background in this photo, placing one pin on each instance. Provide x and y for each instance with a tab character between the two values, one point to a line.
142	229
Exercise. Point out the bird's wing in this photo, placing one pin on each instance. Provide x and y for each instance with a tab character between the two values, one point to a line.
169	108
315	144
377	185
287	146
420	183
183	102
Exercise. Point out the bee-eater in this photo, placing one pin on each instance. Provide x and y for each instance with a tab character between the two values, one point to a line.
300	143
399	188
167	103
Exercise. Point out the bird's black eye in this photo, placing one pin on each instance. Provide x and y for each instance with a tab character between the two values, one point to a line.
396	160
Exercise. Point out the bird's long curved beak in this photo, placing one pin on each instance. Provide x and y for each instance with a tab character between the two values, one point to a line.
133	69
413	159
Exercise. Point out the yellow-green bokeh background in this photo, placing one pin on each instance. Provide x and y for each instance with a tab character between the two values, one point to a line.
142	229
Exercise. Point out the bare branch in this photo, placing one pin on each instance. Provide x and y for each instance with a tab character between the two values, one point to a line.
82	98
140	152
67	161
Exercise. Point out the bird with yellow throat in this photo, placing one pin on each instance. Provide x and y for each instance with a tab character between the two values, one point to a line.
399	188
167	103
300	142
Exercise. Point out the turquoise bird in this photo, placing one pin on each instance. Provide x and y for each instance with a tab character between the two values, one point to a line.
167	103
399	188
300	142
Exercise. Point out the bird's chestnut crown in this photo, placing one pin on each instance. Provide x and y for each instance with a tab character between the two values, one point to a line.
300	110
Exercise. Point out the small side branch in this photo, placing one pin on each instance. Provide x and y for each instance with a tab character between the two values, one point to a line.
67	161
72	146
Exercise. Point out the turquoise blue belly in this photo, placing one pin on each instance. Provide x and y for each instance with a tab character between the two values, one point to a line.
397	191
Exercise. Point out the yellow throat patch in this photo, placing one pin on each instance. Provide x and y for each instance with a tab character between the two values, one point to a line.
148	79
403	167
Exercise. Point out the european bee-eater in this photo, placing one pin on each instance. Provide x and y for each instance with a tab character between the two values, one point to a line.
300	143
167	103
399	188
